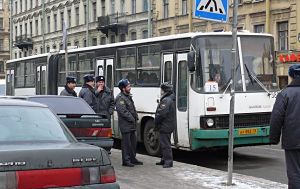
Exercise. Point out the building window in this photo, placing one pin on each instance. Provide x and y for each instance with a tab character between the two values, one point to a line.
16	7
20	54
21	6
48	49
94	41
84	42
1	66
26	27
76	43
103	7
21	30
54	46
26	5
112	6
145	5
62	20
30	4
16	31
103	41
145	34
94	12
133	6
282	35
77	15
133	35
30	28
259	28
122	6
166	8
1	44
48	24
69	18
25	53
55	22
61	46
1	23
122	37
184	7
85	14
36	27
42	51
16	55
112	39
1	4
36	3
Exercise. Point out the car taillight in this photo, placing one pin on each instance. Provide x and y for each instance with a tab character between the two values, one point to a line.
8	180
107	174
91	132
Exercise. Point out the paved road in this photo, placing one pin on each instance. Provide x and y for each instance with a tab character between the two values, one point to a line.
260	161
265	162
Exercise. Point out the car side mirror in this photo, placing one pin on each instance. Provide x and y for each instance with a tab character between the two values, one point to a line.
191	61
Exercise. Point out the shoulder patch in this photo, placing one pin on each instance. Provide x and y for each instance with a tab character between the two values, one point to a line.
122	102
162	105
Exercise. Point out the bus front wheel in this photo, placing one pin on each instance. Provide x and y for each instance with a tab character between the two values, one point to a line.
151	139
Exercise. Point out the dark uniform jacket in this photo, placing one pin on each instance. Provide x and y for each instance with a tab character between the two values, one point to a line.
105	102
165	116
285	117
127	115
88	94
68	92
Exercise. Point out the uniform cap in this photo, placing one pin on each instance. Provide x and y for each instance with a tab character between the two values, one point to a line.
123	83
88	78
71	79
166	86
294	71
100	78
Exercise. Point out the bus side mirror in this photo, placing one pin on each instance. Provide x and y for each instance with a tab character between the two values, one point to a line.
191	61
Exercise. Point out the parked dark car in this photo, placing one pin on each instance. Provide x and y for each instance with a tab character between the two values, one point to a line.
38	151
87	126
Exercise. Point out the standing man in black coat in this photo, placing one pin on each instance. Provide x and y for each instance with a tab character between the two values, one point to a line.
127	118
69	87
105	99
87	91
165	121
285	120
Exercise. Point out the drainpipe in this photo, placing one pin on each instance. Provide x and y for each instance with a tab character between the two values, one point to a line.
190	15
267	16
43	26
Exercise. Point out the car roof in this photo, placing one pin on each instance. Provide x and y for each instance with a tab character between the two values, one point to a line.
40	96
15	102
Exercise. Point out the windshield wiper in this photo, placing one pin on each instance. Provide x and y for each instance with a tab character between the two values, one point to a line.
251	75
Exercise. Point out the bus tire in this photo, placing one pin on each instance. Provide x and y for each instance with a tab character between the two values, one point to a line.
151	140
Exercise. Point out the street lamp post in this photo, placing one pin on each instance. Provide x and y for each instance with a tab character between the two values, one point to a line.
87	22
11	28
43	26
149	19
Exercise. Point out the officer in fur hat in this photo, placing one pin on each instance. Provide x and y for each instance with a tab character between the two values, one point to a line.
165	123
105	99
87	91
69	87
285	121
127	118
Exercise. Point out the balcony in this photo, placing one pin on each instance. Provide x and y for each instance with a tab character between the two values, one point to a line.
24	41
115	22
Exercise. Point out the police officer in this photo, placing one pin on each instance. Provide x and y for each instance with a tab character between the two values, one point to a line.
165	123
285	120
127	118
87	91
105	99
69	87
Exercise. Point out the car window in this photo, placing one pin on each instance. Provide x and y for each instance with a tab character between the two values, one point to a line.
65	105
19	123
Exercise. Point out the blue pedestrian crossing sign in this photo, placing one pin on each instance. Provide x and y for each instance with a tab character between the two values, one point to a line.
213	10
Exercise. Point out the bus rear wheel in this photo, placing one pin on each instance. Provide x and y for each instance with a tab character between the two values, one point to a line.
151	139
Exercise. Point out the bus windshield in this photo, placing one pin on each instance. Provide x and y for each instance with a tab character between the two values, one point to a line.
215	60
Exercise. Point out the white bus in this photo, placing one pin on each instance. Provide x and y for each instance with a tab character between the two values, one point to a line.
197	64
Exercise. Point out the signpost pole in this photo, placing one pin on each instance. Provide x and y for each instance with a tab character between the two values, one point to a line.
232	94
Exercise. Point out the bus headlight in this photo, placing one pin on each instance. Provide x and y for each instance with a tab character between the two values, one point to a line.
210	122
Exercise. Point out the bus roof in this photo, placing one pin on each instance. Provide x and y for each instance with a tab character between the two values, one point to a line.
141	41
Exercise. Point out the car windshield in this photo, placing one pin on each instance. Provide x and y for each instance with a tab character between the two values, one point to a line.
65	105
20	123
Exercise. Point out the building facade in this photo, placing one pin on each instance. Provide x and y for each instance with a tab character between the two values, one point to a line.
4	35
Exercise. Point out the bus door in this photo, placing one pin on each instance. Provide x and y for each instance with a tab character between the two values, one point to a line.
182	99
41	78
10	82
167	67
105	68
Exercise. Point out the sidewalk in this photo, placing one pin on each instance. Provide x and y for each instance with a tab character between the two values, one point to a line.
181	176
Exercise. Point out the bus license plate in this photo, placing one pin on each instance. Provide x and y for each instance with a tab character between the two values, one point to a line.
247	131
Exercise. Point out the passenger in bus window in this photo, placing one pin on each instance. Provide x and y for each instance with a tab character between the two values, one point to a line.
105	99
285	121
165	123
87	91
127	118
69	87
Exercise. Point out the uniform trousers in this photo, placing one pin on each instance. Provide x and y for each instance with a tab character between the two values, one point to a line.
166	149
292	158
129	147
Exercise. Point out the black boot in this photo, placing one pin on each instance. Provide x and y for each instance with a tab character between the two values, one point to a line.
162	162
128	164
